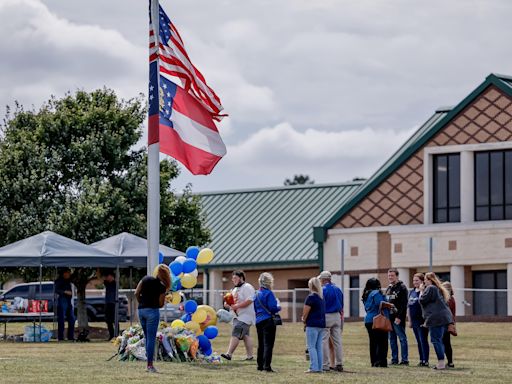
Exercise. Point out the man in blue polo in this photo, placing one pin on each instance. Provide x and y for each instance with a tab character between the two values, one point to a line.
333	298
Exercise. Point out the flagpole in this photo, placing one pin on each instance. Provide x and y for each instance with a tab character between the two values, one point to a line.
153	219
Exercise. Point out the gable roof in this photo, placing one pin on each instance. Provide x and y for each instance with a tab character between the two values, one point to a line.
429	129
270	226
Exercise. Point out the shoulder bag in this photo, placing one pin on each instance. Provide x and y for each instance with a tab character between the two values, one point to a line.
381	322
276	318
452	330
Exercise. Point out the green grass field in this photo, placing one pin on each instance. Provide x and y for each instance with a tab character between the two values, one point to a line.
482	355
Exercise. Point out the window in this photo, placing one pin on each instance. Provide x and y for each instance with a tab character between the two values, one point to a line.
354	296
19	291
447	188
490	302
493	185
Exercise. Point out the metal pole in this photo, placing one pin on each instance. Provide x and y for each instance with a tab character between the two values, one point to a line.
430	251
116	317
153	213
294	305
40	299
342	263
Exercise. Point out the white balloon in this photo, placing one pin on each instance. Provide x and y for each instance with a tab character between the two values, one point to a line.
180	259
194	273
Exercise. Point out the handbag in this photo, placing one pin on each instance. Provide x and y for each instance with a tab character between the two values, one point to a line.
381	322
276	317
452	330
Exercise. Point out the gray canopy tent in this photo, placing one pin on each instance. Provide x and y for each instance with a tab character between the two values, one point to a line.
49	249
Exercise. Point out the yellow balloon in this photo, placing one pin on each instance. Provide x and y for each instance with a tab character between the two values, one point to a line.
175	298
199	316
177	324
188	281
204	256
193	326
211	316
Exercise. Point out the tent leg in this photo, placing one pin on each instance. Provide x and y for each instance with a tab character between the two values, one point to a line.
40	298
131	298
116	329
54	302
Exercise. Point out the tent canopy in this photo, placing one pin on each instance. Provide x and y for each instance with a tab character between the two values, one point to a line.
132	250
52	250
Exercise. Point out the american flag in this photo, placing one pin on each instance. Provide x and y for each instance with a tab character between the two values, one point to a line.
175	62
181	118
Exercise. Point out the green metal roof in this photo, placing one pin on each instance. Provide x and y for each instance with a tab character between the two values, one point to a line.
432	126
271	226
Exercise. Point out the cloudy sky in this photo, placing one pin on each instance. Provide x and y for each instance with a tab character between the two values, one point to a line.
327	88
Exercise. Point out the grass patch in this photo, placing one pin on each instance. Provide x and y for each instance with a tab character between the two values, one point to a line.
481	355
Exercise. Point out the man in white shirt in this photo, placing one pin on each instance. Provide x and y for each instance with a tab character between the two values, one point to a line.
243	294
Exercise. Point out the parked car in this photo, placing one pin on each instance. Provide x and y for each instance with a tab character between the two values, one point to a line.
95	304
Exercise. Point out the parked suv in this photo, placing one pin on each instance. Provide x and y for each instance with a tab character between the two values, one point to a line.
95	304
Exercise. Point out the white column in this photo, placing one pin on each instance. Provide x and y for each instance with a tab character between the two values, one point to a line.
215	278
346	297
466	187
509	289
404	274
457	281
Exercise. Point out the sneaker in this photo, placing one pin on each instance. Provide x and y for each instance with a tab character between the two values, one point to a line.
404	363
394	363
151	369
226	356
450	365
338	368
248	358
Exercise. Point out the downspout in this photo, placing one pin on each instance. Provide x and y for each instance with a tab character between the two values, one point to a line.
319	236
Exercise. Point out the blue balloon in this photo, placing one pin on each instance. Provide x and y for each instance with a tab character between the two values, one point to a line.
189	265
161	258
192	252
204	343
178	286
208	352
186	317
176	267
190	306
211	332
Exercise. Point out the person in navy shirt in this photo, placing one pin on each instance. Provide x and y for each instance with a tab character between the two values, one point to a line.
313	316
265	305
333	297
372	299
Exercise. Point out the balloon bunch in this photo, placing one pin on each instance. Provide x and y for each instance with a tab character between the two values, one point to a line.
184	268
200	319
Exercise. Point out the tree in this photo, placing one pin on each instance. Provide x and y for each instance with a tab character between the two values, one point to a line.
70	167
299	180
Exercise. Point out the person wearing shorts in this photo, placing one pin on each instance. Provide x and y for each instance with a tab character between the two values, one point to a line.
243	294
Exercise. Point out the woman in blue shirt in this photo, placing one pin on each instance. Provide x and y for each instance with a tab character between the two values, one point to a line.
313	316
372	300
416	319
265	305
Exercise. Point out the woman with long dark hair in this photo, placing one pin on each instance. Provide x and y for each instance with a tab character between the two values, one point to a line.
416	319
433	300
373	300
150	294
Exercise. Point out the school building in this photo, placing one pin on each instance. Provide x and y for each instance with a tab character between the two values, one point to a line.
442	201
